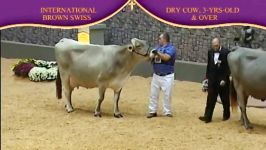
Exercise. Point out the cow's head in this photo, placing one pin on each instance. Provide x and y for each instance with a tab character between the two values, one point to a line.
140	47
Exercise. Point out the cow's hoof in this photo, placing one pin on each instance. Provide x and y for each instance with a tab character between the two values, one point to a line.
241	122
249	127
69	110
97	114
118	115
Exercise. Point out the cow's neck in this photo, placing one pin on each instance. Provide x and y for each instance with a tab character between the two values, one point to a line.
127	59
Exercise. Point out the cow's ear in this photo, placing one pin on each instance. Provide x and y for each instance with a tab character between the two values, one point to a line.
134	42
130	48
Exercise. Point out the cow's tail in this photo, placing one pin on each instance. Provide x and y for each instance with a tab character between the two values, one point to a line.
58	84
233	97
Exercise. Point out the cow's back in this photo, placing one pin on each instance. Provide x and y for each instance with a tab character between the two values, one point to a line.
69	52
88	64
68	49
248	70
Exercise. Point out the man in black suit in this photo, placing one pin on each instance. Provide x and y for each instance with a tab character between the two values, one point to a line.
217	74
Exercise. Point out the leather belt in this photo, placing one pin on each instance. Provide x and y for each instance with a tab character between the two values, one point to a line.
163	74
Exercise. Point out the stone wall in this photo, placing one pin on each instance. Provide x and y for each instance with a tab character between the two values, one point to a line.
37	35
191	44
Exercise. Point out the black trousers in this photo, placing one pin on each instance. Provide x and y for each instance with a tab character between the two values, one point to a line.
213	92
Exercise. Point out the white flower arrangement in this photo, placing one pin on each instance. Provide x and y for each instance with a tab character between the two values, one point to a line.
46	64
37	73
52	73
36	70
41	74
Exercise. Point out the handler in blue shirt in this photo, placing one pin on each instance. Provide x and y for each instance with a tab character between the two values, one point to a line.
163	61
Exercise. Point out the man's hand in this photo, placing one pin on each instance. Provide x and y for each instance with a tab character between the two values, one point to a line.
222	83
155	52
205	85
164	57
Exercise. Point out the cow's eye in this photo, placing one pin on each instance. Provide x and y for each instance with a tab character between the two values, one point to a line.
138	46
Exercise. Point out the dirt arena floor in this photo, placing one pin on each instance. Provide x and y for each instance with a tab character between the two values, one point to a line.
33	119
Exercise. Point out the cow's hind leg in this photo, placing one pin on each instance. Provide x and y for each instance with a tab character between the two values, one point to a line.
69	107
68	92
117	113
97	112
242	119
242	100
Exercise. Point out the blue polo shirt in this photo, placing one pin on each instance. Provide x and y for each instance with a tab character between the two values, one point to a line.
165	66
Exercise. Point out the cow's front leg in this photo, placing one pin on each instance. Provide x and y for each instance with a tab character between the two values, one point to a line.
117	113
242	102
97	112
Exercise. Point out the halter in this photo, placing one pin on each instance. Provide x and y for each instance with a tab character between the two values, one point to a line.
144	55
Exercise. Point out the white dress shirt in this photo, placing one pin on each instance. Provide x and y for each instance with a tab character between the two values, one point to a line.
216	56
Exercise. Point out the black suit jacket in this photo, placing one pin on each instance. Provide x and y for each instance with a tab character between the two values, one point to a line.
217	72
